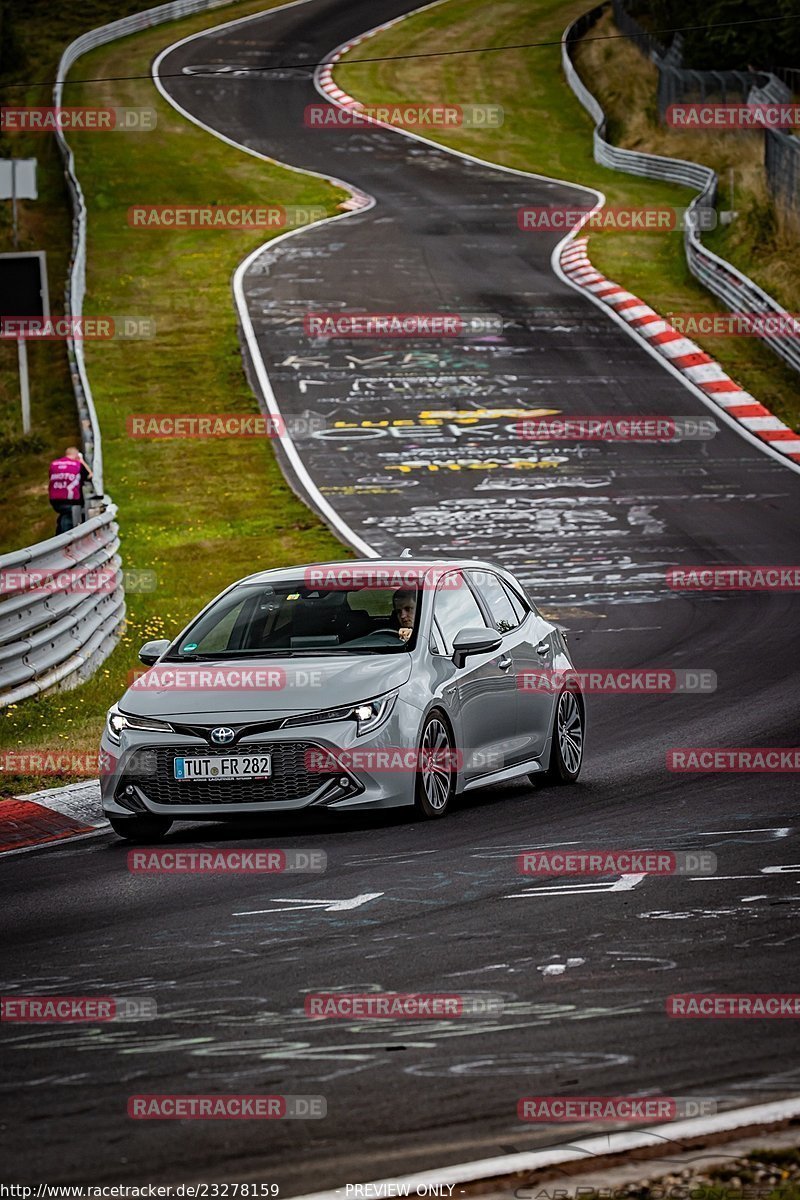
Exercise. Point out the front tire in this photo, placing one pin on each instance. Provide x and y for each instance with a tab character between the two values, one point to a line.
145	828
436	780
567	739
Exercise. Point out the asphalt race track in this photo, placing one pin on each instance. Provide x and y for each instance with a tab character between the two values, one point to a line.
584	974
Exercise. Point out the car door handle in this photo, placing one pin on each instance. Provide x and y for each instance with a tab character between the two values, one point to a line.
504	664
543	648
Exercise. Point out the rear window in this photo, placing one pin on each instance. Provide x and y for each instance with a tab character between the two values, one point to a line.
521	608
455	609
504	615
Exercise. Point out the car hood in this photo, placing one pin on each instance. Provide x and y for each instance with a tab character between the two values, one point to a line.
269	687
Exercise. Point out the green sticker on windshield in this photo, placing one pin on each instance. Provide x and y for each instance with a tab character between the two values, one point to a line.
189	646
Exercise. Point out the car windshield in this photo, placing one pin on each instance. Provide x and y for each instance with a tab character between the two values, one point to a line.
292	618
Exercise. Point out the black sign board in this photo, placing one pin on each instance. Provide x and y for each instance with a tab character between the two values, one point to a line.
23	285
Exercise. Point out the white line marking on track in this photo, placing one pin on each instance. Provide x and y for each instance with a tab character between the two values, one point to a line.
348	535
778	831
579	1151
625	883
300	905
323	81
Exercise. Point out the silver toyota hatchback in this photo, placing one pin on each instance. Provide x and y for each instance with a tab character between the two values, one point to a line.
345	686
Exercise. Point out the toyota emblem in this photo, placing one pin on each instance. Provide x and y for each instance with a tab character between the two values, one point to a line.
222	736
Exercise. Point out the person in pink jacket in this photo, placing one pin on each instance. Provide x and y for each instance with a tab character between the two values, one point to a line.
67	476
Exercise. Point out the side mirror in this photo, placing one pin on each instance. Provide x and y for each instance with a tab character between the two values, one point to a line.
474	641
151	651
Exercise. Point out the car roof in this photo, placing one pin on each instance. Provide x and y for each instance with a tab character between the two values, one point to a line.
401	565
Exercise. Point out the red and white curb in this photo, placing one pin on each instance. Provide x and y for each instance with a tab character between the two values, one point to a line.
681	352
358	199
327	84
54	815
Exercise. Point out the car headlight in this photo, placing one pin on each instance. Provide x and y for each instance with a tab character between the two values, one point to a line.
367	715
117	721
373	713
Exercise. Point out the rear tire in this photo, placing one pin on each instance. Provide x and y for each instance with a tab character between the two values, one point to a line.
435	779
145	828
567	739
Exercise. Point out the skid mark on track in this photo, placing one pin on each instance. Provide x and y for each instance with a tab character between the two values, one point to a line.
523	1064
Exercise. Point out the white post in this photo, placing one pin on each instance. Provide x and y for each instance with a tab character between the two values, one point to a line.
14	200
22	354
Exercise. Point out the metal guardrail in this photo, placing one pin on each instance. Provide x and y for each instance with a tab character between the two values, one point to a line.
59	631
58	619
731	286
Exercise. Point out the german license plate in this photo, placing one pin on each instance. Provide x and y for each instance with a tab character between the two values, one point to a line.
236	766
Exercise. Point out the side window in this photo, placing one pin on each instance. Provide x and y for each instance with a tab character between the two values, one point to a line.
520	607
455	608
497	600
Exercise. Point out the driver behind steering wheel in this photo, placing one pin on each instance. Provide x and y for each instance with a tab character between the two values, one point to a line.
404	608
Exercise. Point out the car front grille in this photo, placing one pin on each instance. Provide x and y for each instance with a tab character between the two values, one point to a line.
151	771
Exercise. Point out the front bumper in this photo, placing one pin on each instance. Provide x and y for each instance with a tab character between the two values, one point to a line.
138	775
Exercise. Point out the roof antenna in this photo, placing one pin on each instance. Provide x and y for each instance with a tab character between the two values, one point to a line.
407	553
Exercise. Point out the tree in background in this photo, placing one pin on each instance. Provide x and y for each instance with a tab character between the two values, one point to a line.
770	42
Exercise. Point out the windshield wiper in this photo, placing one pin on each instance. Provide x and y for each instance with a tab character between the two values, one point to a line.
228	655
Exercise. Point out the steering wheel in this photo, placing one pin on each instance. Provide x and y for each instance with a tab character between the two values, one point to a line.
382	633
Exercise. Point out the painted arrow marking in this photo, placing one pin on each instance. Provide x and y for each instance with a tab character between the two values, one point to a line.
624	884
310	905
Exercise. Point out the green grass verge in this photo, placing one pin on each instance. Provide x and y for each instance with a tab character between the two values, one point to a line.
33	37
547	131
199	513
762	1174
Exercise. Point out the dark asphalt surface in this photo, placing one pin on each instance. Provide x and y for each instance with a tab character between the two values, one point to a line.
592	536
